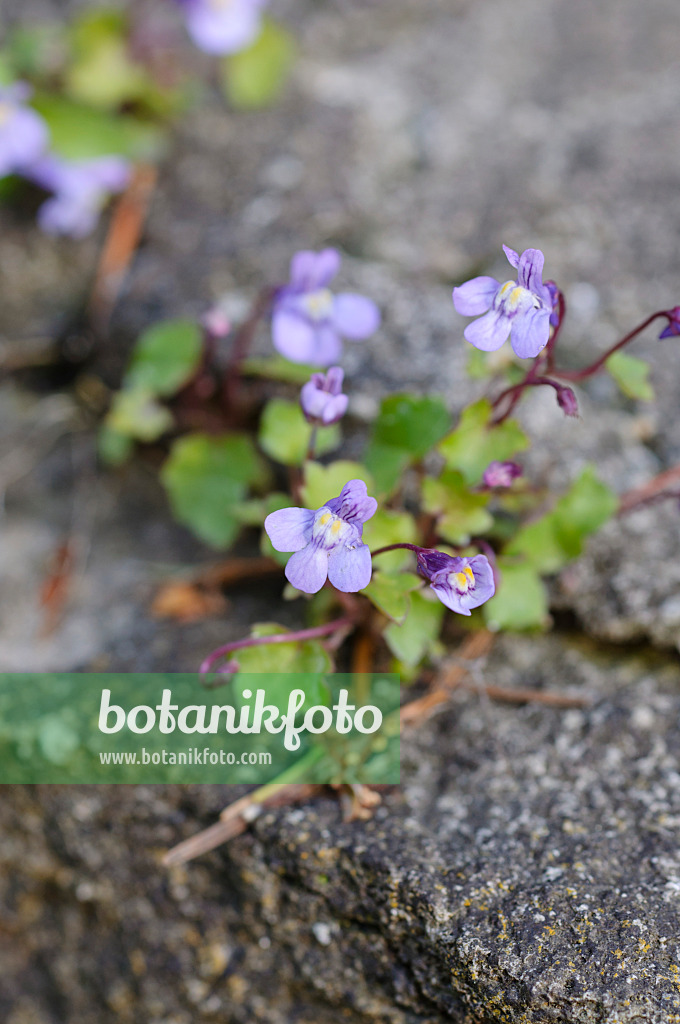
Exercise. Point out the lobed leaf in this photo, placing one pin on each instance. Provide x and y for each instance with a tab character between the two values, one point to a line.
474	443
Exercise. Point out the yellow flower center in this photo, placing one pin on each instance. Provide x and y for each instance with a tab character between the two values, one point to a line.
462	581
318	305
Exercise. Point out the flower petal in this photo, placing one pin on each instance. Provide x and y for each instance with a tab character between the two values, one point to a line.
489	332
335	409
350	569
293	336
530	271
475	296
485	586
353	503
530	333
307	569
513	257
355	316
289	529
310	271
449	597
327	345
223	30
334	378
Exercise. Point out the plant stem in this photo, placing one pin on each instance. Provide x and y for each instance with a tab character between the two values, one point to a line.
311	448
278	638
394	547
588	371
243	339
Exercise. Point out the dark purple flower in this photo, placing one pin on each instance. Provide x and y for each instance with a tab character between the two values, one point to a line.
24	136
501	474
326	542
308	320
81	189
223	26
567	401
673	328
521	309
321	398
460	583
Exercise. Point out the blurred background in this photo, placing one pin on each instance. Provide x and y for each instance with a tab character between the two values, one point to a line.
416	136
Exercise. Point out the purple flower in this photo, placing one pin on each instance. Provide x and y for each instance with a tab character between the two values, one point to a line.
321	398
223	26
501	474
23	133
308	320
326	542
459	583
673	329
521	308
81	189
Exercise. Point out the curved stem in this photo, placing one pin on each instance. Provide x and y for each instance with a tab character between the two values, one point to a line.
588	371
243	339
278	638
395	547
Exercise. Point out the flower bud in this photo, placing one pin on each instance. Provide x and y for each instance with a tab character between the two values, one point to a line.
566	399
321	398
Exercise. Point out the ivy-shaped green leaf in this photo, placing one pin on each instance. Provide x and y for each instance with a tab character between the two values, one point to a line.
285	433
632	376
462	512
550	542
135	413
390	592
390	527
325	482
255	77
165	357
474	444
205	477
80	132
521	601
417	635
406	429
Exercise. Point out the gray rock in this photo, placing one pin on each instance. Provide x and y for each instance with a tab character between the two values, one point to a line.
528	871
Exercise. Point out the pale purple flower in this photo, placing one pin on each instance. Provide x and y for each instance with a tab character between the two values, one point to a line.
327	541
81	189
308	320
223	26
501	474
460	583
321	398
521	309
673	328
24	136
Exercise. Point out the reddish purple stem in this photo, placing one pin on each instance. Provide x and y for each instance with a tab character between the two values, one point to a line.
278	638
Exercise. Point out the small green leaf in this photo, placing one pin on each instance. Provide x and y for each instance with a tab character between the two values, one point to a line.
411	423
390	593
285	433
521	601
387	466
165	357
205	478
136	413
114	448
463	513
474	444
325	482
278	368
80	132
389	527
417	636
283	663
256	76
101	72
556	538
632	376
407	427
